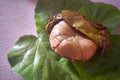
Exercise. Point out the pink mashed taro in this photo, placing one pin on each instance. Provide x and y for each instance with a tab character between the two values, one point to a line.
68	43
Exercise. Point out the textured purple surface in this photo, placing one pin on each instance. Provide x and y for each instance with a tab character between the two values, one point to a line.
17	19
113	2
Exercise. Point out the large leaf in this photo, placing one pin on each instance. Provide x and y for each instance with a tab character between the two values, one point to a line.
47	8
101	13
33	59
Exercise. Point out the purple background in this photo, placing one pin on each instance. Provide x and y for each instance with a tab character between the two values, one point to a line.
17	19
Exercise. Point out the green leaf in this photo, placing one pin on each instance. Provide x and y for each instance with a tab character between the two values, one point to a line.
47	8
101	13
33	59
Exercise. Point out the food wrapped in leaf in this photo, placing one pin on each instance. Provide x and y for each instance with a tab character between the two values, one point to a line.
75	37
